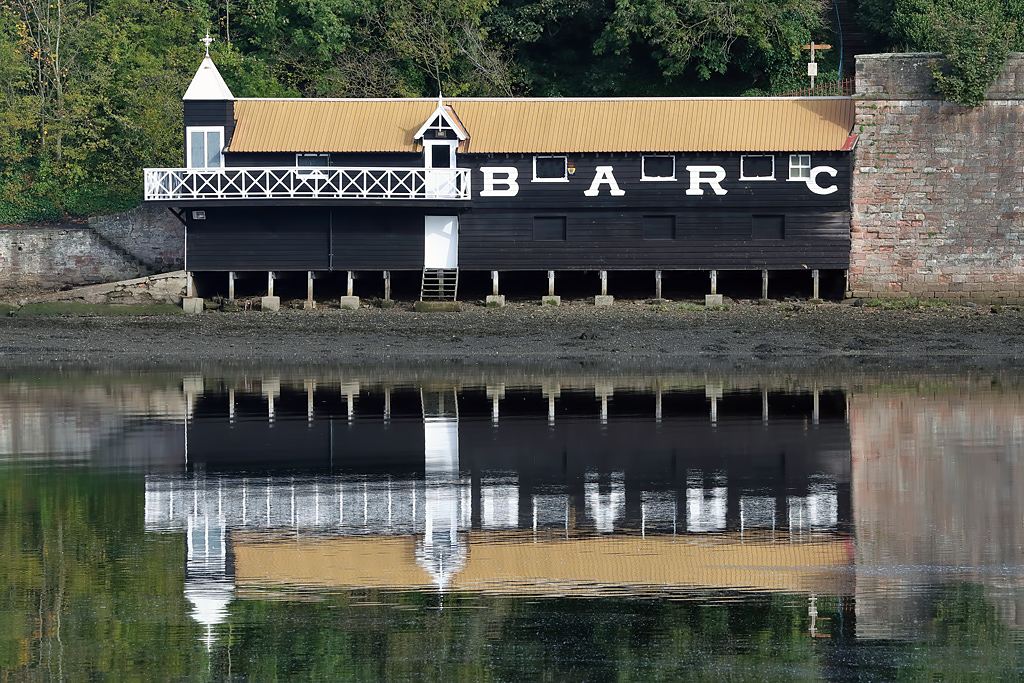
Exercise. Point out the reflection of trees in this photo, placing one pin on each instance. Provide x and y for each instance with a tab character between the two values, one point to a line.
87	592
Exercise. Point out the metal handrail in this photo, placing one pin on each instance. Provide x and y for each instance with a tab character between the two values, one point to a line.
175	184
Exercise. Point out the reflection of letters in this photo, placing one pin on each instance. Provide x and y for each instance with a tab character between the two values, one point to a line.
603	176
715	183
500	186
812	180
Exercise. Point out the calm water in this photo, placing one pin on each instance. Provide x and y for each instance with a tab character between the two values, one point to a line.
427	525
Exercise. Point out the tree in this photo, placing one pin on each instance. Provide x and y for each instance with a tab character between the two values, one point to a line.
706	35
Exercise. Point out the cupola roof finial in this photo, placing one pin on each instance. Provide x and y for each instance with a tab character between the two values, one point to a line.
207	40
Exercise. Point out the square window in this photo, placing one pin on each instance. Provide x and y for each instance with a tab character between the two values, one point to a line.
550	169
659	227
549	228
205	147
658	167
312	160
799	166
768	227
757	167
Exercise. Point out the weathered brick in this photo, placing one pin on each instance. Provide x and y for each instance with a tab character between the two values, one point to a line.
938	193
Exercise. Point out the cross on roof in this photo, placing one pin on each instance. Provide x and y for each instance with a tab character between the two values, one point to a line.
207	40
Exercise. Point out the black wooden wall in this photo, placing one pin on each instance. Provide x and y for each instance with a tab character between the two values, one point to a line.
209	113
778	224
706	231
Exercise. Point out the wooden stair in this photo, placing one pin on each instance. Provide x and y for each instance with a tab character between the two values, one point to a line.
439	284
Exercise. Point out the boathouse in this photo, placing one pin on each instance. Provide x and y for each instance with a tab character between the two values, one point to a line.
437	187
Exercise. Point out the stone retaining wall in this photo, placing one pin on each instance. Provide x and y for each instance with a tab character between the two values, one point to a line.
938	189
54	257
149	233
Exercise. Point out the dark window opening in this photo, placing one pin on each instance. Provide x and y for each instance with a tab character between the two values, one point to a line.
656	166
659	227
768	227
549	168
549	228
312	160
757	167
440	156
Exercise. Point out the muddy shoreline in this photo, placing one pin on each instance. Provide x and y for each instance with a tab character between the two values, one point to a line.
628	335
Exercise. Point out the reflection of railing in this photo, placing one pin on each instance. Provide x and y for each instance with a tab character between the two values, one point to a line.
163	184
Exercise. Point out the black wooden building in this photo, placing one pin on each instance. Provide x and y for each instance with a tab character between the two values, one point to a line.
501	185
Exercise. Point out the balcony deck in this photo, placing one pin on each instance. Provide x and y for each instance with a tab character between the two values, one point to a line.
187	184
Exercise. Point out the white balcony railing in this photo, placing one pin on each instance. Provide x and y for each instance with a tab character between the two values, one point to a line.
306	183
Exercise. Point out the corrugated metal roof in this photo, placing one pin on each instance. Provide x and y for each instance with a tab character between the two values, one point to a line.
550	125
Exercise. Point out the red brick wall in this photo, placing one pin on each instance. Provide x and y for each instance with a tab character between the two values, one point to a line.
938	189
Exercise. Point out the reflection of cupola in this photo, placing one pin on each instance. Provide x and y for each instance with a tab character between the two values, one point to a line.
207	584
446	506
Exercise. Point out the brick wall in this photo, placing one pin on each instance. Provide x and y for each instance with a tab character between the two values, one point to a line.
938	189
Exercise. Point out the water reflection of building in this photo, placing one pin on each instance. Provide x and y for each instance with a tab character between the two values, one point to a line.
937	477
547	490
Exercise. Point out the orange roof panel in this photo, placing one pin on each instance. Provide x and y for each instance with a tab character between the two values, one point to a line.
498	126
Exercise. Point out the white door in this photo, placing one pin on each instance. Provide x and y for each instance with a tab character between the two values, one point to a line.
441	242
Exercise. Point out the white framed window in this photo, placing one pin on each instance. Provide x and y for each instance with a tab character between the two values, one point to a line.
309	163
312	160
757	167
550	169
658	167
439	153
205	146
799	166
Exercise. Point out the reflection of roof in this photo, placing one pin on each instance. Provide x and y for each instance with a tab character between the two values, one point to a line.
516	563
747	124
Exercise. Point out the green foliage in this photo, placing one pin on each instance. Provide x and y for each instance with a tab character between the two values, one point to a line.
975	37
709	37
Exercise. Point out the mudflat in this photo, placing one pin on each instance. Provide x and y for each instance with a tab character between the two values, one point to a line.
747	335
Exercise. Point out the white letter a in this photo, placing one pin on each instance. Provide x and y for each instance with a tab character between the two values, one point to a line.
601	177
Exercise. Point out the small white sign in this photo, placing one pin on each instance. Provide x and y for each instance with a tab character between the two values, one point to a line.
812	68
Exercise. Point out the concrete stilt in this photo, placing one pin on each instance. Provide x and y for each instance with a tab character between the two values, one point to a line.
270	302
309	303
387	285
764	284
495	300
350	301
657	285
814	279
603	300
190	303
714	298
231	285
551	299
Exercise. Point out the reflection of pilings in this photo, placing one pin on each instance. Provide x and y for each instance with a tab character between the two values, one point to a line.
271	390
603	391
495	392
282	399
714	392
551	392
